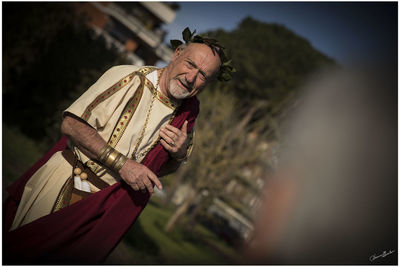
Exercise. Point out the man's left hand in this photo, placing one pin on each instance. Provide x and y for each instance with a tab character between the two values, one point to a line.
174	140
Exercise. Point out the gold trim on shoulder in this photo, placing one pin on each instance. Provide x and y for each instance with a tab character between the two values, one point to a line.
109	92
112	90
163	99
167	101
146	70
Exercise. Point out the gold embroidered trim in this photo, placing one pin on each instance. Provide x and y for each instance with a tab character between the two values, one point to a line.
96	168
163	99
64	196
126	115
167	101
112	90
109	92
146	70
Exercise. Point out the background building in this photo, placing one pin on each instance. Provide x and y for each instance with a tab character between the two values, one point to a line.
134	28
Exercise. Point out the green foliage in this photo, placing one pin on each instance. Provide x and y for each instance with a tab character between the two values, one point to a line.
221	145
50	57
222	148
272	62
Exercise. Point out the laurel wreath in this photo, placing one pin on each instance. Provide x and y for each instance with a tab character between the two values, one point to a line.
226	68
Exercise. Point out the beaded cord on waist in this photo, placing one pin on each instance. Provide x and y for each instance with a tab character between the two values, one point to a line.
75	163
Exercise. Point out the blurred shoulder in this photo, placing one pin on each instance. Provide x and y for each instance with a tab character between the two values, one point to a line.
121	70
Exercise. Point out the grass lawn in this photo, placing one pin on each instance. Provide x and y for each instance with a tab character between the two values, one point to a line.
149	244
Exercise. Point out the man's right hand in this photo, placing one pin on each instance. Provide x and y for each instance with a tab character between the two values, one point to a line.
139	177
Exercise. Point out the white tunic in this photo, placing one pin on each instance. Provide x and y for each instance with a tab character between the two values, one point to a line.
44	186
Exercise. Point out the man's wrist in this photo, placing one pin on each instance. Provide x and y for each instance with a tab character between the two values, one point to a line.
119	162
111	158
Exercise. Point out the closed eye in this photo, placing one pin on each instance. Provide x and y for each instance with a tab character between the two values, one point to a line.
192	65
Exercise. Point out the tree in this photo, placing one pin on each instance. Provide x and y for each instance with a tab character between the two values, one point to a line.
221	150
50	58
272	62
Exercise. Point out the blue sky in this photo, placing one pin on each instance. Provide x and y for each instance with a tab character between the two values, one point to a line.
349	32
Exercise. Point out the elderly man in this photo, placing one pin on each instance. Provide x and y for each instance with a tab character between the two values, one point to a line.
132	125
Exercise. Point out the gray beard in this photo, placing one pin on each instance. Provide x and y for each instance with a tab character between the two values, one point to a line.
176	91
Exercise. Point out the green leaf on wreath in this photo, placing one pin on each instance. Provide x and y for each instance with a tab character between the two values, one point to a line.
186	34
175	43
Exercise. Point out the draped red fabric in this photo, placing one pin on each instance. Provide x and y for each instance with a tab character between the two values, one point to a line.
88	230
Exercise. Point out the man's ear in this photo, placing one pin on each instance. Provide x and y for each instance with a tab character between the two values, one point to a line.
177	52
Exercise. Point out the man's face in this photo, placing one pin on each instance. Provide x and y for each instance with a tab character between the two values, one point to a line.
191	70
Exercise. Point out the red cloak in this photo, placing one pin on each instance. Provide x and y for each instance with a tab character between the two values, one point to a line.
88	230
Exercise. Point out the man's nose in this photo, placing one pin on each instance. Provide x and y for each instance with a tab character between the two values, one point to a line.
191	76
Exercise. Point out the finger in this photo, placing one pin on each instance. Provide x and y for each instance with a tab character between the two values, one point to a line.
168	139
141	185
184	127
149	186
167	146
169	133
172	129
154	178
135	187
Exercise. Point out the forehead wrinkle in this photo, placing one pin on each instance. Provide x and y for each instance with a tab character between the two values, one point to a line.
200	64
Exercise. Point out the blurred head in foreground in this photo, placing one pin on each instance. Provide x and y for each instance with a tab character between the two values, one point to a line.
333	200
